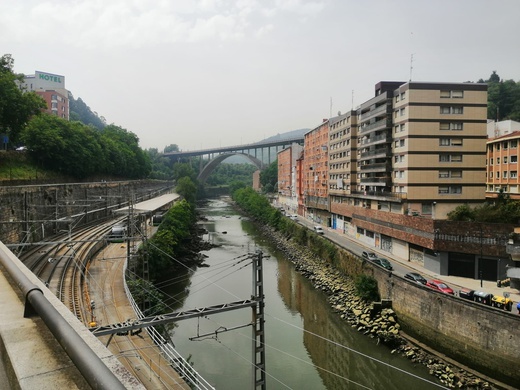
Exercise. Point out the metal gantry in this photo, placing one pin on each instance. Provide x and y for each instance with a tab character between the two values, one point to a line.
258	321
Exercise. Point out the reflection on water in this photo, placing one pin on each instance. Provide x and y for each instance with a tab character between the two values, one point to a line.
307	345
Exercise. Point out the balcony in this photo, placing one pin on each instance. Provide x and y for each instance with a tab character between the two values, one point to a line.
383	138
381	124
379	152
381	195
371	113
376	181
376	167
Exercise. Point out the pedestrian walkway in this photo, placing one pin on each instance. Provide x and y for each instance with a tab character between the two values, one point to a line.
455	282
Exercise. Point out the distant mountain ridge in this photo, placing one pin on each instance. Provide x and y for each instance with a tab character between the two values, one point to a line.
282	136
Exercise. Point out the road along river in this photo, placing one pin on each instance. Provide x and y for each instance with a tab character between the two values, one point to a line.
307	345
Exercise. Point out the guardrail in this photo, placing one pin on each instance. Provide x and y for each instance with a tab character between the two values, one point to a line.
90	365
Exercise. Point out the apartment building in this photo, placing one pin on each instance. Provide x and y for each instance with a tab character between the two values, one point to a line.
315	173
403	160
503	166
287	176
342	164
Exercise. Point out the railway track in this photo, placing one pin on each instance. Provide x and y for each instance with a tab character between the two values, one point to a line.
63	262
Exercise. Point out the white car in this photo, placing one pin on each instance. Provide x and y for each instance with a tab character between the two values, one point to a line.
318	230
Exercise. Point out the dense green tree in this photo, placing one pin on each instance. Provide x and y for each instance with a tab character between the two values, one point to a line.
184	170
187	189
75	149
225	174
171	148
16	106
503	98
79	111
161	166
124	152
269	178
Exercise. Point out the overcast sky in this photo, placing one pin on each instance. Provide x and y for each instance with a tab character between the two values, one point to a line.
209	73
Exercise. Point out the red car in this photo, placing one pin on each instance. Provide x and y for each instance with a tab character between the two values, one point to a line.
439	286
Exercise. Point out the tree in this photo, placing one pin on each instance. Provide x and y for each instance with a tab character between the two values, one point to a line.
187	189
503	98
171	148
269	177
184	170
16	106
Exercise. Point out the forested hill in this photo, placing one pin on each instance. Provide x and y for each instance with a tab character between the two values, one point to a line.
79	111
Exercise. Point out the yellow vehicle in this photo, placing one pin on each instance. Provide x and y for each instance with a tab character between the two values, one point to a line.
502	302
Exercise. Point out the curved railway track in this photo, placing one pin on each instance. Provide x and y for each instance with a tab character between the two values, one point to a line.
63	263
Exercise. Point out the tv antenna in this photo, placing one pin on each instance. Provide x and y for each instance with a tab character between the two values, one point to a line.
411	66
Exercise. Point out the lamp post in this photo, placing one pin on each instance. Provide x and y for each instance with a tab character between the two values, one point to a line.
480	260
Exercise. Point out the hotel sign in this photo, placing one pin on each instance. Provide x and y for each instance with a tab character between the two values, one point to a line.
49	80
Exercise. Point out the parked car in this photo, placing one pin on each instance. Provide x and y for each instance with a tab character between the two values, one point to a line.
504	303
483	297
415	277
294	217
318	230
439	285
369	255
381	261
466	293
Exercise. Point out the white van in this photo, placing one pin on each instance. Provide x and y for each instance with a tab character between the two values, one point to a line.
318	230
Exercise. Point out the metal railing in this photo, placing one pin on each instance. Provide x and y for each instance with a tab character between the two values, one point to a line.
181	365
90	365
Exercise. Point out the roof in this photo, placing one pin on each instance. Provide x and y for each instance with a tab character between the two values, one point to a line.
151	204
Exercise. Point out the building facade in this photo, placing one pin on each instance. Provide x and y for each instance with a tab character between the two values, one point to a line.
51	88
287	193
397	165
315	174
503	166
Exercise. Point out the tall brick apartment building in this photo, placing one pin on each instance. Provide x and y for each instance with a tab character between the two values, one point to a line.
397	165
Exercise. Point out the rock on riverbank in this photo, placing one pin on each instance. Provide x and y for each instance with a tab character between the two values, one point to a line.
372	319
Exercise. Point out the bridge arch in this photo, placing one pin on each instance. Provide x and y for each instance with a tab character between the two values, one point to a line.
212	164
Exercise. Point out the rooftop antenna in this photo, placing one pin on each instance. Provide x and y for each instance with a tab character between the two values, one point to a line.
411	66
330	113
352	99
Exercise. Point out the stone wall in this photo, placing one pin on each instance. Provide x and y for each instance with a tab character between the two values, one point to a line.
31	213
484	338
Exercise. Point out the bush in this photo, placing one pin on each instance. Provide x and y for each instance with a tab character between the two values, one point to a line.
366	288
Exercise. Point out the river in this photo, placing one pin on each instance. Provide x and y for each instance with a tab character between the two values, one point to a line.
307	345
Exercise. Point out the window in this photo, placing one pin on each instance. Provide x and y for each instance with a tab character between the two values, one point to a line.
445	110
497	146
450	189
504	175
498	160
457	94
456	174
396	98
456	157
514	159
513	143
513	175
444	158
491	175
456	142
452	94
457	110
504	145
444	141
456	125
444	174
505	160
490	161
401	112
403	95
444	126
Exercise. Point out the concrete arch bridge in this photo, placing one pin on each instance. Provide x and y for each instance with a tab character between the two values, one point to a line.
259	153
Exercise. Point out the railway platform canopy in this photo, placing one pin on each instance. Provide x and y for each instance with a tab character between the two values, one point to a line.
151	205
